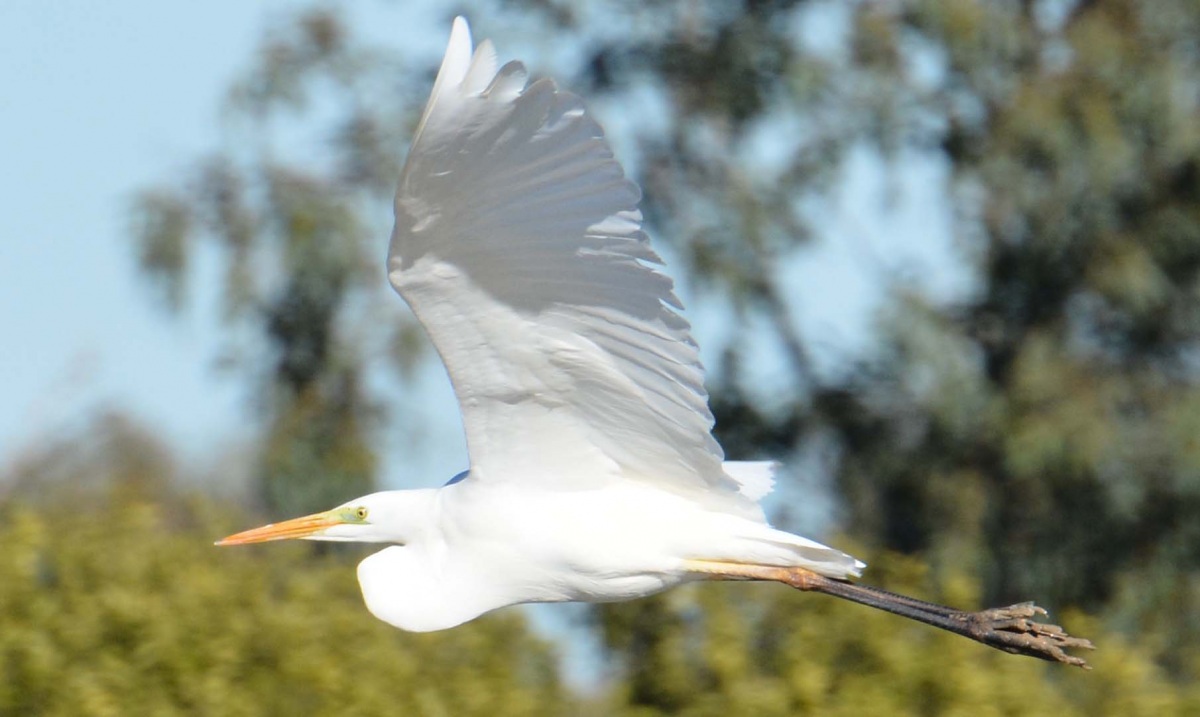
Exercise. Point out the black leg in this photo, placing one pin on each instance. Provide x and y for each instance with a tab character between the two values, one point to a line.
1011	629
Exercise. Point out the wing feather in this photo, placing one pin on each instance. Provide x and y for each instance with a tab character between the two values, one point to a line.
518	244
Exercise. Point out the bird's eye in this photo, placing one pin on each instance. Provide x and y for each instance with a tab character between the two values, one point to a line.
360	512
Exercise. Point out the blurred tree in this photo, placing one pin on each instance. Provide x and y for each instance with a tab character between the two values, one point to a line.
1039	431
300	236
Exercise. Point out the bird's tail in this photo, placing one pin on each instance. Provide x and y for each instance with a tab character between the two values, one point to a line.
816	557
771	546
760	544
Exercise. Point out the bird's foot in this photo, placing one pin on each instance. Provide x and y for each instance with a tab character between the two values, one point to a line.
1014	630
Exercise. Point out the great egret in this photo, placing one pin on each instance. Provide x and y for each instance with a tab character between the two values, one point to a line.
594	474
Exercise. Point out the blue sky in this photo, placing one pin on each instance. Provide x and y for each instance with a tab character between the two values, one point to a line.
101	99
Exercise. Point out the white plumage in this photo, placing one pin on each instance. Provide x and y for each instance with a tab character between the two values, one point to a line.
518	245
594	474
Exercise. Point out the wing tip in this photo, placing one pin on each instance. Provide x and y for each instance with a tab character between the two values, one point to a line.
457	58
470	68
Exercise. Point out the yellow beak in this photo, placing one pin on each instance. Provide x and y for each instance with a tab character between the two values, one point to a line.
288	529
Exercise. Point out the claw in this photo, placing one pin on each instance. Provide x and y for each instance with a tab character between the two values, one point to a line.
1011	629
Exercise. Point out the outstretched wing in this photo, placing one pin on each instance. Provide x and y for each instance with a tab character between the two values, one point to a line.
518	245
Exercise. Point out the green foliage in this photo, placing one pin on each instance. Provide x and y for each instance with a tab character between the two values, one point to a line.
115	602
317	455
1077	349
748	649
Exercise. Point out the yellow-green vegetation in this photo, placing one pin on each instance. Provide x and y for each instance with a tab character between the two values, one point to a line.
127	608
754	649
116	611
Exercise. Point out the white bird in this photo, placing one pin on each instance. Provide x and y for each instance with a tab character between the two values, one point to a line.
594	475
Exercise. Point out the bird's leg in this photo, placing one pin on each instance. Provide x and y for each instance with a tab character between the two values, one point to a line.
1012	629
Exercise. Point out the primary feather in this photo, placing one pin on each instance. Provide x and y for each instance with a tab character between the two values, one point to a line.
518	245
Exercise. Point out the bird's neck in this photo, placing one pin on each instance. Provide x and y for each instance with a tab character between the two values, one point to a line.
410	516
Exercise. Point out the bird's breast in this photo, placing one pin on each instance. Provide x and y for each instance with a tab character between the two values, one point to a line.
541	546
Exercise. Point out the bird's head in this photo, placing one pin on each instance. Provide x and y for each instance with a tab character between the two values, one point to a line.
387	517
